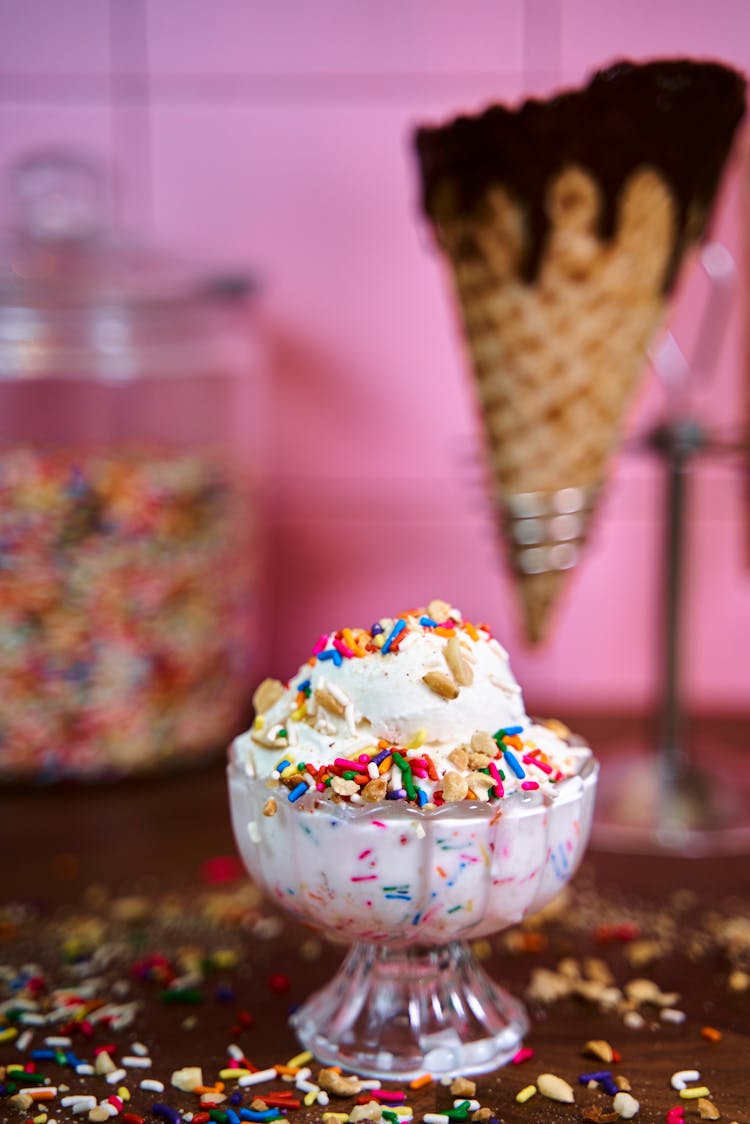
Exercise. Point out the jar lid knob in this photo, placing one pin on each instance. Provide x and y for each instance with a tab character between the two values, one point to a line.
58	196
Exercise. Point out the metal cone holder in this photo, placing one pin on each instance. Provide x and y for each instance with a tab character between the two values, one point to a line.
664	800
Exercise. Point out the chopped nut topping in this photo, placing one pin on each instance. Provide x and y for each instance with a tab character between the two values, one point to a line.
329	701
482	742
266	694
547	986
375	790
270	807
339	1085
647	991
344	787
98	1114
739	981
625	1105
598	1048
440	611
557	727
185	1079
455	787
599	970
440	684
462	1087
370	1111
640	953
555	1088
460	758
460	669
480	783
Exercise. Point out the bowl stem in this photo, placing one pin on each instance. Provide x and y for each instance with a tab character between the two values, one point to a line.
398	1012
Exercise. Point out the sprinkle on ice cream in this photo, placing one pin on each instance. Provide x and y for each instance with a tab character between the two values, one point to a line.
422	708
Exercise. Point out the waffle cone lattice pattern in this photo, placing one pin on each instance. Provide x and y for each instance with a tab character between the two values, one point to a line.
557	360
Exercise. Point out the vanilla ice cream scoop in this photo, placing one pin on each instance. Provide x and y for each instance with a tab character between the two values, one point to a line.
422	707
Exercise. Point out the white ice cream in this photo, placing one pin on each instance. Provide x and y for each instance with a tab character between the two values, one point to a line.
389	869
385	699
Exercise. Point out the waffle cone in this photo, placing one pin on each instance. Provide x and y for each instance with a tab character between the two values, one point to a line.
556	363
565	224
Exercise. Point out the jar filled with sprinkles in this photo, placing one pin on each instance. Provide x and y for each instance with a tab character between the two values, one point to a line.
128	522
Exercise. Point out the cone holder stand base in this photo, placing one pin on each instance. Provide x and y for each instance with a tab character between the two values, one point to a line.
642	808
669	797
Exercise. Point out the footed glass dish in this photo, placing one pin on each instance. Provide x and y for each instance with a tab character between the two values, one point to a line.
409	889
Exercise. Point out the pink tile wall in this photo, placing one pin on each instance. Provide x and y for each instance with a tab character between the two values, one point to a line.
279	135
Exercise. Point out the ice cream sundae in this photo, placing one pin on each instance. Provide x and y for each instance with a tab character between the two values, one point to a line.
419	714
395	792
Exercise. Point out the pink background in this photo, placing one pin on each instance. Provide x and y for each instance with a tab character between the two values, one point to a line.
277	135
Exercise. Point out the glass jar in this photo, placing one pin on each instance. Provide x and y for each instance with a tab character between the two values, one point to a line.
128	528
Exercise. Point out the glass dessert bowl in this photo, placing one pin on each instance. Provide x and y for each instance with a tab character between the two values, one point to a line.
409	874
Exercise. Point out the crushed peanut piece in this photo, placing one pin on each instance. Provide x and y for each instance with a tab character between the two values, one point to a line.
329	701
569	968
547	986
266	694
482	742
186	1079
642	952
460	758
270	807
739	981
375	790
455	787
599	970
440	684
370	1111
625	1105
344	787
339	1085
441	611
557	727
22	1101
648	991
707	1110
598	1048
480	783
555	1088
462	1087
104	1064
460	669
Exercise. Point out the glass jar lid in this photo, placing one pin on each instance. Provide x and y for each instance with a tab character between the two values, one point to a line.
77	298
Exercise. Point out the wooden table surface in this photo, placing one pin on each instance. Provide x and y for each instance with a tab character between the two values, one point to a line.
144	870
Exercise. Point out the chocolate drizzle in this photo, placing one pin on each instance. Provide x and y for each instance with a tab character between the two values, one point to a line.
677	115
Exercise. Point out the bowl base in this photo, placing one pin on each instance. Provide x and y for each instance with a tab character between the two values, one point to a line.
400	1012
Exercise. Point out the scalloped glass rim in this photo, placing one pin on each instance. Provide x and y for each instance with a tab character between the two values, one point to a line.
522	803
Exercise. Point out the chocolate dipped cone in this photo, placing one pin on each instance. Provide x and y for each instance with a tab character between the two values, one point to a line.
565	223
